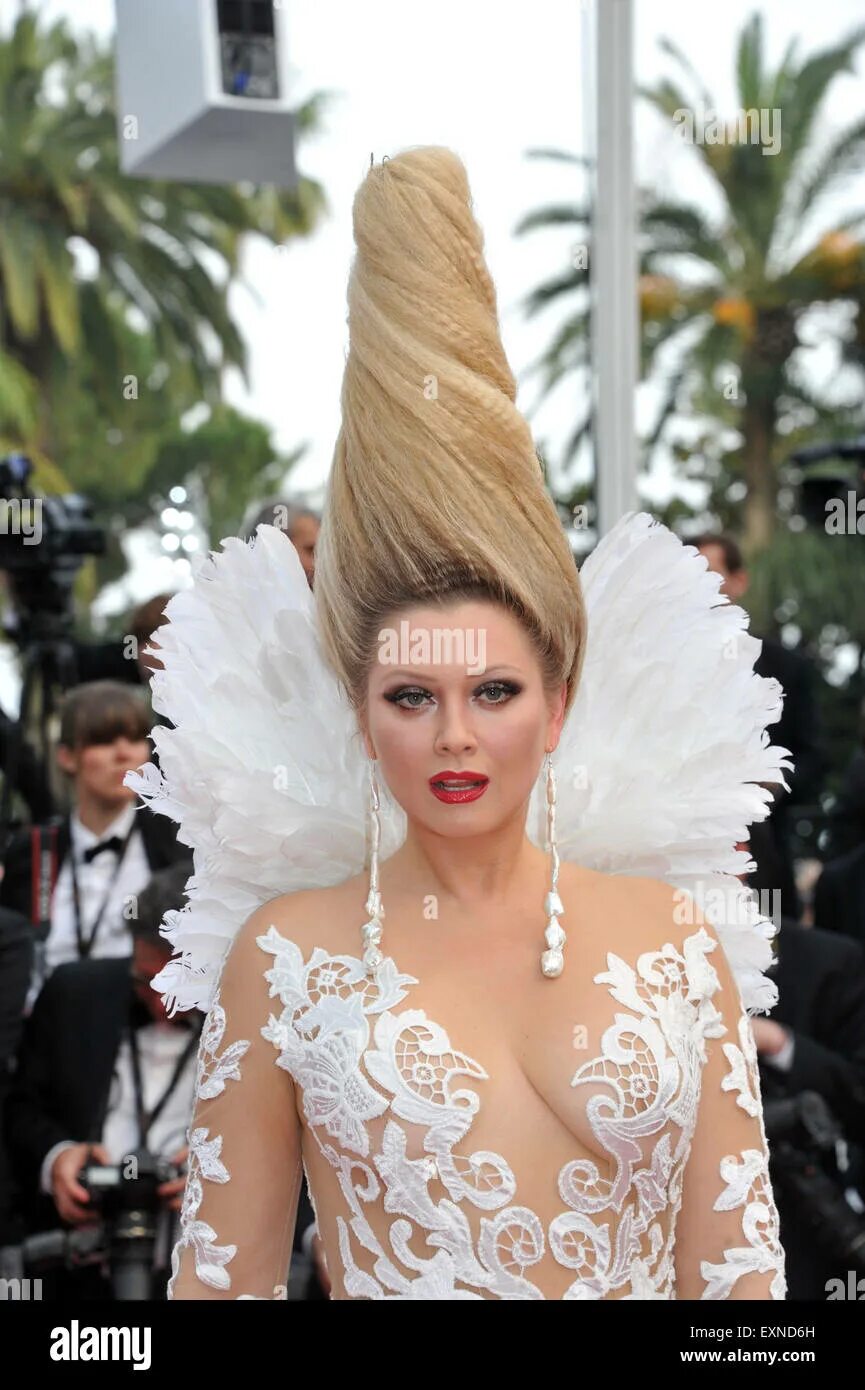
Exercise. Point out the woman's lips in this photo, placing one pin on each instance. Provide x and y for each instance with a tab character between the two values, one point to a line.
457	787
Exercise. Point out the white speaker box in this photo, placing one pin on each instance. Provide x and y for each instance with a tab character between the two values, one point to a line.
202	91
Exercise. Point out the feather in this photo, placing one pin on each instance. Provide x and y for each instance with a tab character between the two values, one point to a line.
661	759
658	768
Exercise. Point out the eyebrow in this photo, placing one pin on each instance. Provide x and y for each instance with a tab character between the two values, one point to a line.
416	675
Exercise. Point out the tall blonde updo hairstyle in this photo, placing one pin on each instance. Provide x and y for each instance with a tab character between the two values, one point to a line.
436	492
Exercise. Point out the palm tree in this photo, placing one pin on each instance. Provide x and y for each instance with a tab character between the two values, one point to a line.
88	256
726	300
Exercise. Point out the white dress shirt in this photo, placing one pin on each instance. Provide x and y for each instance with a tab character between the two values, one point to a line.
783	1058
114	937
159	1047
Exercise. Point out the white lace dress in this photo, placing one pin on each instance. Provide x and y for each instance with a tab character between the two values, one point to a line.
307	1062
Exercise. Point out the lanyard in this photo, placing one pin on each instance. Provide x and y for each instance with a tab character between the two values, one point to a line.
85	944
44	867
146	1118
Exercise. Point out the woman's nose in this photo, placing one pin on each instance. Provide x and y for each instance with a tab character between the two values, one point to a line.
455	733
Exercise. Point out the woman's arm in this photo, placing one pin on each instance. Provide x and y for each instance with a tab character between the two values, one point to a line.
245	1168
727	1232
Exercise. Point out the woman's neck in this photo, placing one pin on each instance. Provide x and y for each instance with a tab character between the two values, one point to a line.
465	870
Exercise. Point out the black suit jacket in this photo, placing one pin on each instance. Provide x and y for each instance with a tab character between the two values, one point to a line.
821	996
66	1060
797	729
161	847
16	961
847	819
839	897
65	1065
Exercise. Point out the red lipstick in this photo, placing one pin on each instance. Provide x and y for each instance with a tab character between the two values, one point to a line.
457	787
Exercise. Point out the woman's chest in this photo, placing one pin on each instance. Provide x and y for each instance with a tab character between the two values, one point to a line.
561	1067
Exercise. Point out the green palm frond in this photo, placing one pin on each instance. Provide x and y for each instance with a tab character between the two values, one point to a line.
812	82
555	215
551	290
669	228
59	289
581	161
749	63
845	156
18	402
567	351
722	299
667	46
153	247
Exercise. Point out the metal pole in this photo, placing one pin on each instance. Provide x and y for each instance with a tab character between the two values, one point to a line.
613	267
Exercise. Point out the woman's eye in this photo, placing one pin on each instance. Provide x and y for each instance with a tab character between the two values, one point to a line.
409	699
501	691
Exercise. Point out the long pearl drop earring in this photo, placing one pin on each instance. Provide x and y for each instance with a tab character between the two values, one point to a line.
552	960
371	931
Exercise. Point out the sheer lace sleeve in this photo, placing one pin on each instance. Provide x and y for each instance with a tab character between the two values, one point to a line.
244	1167
727	1232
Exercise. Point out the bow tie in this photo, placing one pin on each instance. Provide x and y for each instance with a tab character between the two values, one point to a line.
113	842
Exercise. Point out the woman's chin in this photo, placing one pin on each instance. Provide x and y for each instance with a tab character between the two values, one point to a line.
458	821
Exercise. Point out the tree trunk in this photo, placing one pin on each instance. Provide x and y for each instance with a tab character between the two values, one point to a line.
760	508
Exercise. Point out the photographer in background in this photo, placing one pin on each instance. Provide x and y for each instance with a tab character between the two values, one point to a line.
796	730
103	1074
811	1051
73	879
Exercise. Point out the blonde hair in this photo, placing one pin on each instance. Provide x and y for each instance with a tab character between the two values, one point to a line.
436	491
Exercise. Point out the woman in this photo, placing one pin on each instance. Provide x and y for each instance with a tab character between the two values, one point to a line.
505	1076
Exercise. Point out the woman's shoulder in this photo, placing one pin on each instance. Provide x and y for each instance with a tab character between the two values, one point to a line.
644	917
608	891
635	912
310	917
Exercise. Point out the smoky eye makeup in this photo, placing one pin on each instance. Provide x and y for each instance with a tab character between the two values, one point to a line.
398	695
509	687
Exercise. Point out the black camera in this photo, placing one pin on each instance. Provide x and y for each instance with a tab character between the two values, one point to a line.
125	1194
45	545
116	1188
803	1135
126	1199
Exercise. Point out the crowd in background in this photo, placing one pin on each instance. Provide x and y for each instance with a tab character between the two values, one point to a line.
97	1081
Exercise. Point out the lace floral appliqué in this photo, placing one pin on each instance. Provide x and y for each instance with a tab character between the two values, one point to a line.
204	1158
385	1097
